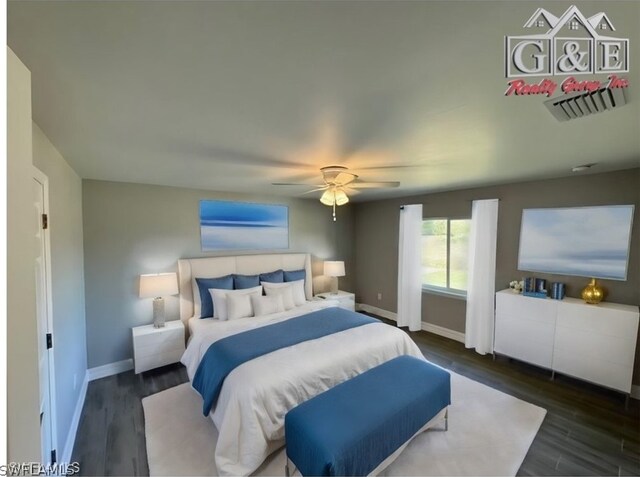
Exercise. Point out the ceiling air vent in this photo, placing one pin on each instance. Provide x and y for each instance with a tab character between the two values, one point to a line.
584	103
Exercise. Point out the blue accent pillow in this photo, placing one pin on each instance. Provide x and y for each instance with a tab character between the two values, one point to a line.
206	304
294	275
272	277
240	282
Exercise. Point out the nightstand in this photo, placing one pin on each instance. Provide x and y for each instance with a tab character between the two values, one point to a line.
345	299
155	347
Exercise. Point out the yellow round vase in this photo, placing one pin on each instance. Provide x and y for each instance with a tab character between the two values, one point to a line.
592	293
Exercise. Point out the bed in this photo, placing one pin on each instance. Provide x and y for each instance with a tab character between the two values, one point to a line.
255	396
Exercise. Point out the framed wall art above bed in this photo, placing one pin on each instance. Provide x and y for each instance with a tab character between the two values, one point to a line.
228	225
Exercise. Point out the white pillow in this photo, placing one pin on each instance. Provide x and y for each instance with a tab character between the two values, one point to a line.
265	305
297	289
239	305
219	298
283	289
299	296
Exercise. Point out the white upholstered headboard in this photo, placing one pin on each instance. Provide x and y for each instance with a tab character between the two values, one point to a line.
191	268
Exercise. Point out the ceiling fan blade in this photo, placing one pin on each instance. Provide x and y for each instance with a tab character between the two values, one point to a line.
345	178
220	155
374	185
351	191
316	190
396	166
301	184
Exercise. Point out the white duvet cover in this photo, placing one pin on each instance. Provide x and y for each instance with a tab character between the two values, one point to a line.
255	397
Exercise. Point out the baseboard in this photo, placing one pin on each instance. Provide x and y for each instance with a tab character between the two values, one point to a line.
428	327
635	391
442	331
389	315
75	422
109	369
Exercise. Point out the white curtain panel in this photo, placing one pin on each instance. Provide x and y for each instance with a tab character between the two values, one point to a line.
482	274
410	267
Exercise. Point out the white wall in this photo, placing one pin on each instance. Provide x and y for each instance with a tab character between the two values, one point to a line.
67	275
23	427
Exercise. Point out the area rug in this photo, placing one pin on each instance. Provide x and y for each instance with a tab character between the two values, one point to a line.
489	434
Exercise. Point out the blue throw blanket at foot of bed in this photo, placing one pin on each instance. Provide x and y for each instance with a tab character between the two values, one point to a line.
226	354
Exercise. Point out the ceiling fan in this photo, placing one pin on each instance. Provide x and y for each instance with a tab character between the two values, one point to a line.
337	182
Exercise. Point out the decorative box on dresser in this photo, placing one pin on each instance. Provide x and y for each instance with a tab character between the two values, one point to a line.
596	343
344	299
155	347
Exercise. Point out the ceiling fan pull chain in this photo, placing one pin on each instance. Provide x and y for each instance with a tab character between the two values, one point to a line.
334	211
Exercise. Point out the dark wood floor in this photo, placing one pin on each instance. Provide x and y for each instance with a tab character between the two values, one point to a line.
586	431
110	438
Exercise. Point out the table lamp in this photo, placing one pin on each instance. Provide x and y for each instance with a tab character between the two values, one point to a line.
157	286
334	269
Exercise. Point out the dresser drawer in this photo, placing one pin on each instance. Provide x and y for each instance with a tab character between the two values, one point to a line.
515	306
525	340
597	371
598	319
586	344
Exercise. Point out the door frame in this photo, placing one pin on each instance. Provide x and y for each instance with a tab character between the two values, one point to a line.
39	176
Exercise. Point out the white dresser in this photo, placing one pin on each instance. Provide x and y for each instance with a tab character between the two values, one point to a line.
155	347
592	342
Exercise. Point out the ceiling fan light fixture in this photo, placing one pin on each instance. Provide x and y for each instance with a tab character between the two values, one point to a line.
336	180
341	197
328	197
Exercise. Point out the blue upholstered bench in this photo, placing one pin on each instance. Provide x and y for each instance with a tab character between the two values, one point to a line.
356	426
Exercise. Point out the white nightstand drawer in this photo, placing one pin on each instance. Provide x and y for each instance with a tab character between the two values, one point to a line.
164	347
145	363
163	336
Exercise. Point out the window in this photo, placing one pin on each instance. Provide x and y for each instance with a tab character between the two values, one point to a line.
574	25
445	244
540	23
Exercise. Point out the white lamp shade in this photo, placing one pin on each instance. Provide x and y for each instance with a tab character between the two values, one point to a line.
334	268
158	285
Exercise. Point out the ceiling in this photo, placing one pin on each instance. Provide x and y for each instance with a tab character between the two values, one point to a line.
232	96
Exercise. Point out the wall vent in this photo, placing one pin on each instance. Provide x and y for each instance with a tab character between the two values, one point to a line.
584	103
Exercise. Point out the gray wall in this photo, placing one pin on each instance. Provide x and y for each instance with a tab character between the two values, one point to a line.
376	232
23	427
67	275
130	229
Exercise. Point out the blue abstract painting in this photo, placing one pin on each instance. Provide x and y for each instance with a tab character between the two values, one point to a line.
243	226
583	241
